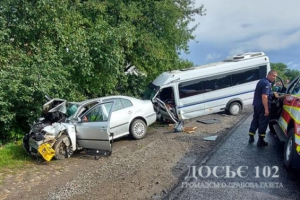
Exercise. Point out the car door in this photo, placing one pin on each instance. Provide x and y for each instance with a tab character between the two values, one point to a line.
122	113
277	104
291	105
93	130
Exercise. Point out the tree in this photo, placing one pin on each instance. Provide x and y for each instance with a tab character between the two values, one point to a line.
78	49
283	71
291	74
280	68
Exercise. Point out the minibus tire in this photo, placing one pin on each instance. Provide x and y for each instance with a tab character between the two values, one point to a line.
234	108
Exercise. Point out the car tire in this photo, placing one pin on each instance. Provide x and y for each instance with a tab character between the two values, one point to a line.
138	129
234	108
289	150
62	148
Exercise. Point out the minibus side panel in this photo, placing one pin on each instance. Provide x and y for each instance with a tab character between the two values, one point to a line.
191	107
216	101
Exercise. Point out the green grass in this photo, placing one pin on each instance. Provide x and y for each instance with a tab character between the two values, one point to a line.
13	156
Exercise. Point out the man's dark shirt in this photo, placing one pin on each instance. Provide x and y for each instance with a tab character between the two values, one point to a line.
263	87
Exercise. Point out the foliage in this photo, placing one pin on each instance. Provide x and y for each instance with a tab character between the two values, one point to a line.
280	68
286	74
78	49
291	74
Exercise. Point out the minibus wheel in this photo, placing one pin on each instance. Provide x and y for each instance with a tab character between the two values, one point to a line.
234	108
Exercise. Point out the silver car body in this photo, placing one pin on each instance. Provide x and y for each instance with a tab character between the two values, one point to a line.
108	118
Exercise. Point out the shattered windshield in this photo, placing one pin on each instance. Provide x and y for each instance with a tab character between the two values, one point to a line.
150	91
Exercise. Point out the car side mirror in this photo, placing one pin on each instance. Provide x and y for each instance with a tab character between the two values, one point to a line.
79	119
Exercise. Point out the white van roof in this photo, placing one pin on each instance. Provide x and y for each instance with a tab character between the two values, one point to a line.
244	56
231	63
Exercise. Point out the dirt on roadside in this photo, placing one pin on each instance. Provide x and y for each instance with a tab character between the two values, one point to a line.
137	169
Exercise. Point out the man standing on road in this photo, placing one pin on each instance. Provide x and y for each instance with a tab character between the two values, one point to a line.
261	105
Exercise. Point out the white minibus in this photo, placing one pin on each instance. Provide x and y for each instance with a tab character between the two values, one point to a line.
223	86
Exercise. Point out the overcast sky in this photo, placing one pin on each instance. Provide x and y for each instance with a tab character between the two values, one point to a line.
232	27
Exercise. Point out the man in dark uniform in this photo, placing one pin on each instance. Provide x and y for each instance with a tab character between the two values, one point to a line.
261	105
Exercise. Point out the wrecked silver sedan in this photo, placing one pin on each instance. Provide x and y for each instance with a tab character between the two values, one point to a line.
89	125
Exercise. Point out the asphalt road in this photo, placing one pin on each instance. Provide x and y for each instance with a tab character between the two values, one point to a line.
238	170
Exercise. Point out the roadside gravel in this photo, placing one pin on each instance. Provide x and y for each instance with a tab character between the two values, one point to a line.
138	169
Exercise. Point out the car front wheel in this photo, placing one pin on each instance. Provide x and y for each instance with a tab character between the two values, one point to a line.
289	150
138	129
62	148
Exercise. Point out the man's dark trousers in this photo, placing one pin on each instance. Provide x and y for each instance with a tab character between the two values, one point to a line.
259	122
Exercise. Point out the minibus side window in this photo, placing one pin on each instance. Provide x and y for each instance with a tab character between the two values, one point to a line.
199	86
245	77
217	82
262	71
190	88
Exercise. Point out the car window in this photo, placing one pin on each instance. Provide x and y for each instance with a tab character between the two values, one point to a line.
98	113
277	85
126	103
106	110
84	109
296	89
118	105
292	86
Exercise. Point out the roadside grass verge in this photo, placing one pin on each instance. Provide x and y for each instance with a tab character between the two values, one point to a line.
12	158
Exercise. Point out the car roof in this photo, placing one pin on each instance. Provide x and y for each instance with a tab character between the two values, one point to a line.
118	97
100	99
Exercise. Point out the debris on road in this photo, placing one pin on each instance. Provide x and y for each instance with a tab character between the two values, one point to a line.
180	128
210	138
209	121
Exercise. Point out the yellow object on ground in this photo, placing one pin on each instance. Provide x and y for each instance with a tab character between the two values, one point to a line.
46	151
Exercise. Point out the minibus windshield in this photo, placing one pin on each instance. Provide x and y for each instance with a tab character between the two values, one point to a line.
150	91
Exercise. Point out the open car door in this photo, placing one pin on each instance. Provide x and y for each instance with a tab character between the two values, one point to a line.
93	130
276	104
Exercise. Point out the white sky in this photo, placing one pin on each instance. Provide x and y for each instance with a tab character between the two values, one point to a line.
237	26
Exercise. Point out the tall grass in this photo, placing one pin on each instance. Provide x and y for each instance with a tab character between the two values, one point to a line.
12	156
